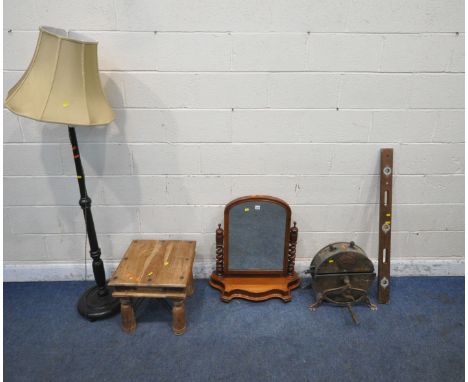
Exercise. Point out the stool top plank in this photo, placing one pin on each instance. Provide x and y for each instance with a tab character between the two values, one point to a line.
155	263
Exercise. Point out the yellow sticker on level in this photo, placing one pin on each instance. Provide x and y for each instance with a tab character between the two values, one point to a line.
331	261
246	209
388	222
389	215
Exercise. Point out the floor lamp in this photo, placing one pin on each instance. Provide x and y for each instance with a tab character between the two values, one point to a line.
62	85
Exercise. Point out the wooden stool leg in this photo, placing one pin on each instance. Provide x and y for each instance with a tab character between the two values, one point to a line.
128	315
190	287
178	317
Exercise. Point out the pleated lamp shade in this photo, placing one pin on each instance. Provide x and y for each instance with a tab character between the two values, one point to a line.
62	83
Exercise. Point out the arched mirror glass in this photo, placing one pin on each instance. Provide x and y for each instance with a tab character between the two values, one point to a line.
257	232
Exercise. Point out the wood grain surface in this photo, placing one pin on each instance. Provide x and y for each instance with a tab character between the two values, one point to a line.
156	263
385	219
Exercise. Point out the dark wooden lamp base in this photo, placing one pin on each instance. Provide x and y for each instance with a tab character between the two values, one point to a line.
255	288
96	304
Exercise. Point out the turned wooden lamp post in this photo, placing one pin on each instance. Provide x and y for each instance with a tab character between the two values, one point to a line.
62	85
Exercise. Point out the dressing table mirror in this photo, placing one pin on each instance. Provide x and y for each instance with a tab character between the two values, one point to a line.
256	251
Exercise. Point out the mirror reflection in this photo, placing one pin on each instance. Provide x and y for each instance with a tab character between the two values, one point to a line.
257	236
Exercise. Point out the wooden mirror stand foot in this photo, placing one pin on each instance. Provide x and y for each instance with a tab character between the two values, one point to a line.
257	288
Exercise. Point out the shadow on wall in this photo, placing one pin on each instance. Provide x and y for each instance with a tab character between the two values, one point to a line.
106	160
370	215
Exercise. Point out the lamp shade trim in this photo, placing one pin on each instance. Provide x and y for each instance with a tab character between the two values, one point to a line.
71	35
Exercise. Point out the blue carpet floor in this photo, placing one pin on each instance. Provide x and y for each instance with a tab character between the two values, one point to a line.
418	337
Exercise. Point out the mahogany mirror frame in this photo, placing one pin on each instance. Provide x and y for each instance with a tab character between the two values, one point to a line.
253	271
255	284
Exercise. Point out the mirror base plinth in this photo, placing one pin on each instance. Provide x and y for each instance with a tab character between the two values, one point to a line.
255	288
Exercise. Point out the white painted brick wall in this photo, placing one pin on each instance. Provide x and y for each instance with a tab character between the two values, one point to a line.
215	99
345	52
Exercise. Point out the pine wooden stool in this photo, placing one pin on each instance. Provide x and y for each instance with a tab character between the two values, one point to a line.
155	269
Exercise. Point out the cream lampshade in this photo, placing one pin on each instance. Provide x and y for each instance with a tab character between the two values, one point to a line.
62	83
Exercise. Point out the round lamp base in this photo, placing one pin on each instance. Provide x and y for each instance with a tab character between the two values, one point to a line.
94	306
